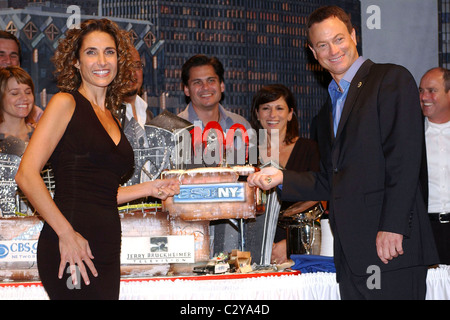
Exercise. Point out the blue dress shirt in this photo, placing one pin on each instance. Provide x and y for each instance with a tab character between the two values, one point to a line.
338	93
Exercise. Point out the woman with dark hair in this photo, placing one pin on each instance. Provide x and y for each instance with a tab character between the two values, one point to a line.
274	110
90	156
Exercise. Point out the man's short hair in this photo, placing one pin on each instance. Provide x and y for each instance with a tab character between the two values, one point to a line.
198	61
326	12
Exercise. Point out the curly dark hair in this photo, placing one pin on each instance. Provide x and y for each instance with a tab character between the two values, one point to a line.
67	54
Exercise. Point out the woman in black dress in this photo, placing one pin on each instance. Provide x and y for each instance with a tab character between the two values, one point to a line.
89	153
274	110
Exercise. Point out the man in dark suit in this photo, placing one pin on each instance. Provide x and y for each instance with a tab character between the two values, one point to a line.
370	135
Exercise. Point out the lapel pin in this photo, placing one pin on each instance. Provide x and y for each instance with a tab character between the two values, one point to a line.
359	84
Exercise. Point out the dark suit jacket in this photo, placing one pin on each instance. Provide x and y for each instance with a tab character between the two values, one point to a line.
370	171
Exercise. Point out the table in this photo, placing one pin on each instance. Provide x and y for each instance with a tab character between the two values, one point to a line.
271	286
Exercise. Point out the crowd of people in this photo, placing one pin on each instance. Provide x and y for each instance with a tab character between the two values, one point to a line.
381	157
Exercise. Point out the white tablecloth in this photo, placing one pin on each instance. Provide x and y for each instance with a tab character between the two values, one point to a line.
309	286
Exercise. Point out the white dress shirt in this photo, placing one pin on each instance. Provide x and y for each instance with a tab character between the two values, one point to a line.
438	157
141	113
141	107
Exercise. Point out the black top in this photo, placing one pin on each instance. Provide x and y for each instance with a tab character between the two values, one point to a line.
88	168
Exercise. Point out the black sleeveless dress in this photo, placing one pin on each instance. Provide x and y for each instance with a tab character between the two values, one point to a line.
88	168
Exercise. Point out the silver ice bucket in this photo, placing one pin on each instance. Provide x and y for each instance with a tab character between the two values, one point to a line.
302	230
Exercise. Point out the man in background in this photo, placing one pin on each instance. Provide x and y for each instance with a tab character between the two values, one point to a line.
435	102
203	85
136	107
10	55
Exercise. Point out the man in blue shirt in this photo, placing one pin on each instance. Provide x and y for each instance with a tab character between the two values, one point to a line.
371	143
338	92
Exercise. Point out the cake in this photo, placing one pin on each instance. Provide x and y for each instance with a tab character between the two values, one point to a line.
142	225
19	237
18	243
199	230
211	193
188	221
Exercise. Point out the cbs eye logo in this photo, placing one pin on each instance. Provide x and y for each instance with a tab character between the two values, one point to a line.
3	251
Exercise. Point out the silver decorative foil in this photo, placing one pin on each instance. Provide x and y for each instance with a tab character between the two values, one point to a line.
12	145
154	146
9	163
12	201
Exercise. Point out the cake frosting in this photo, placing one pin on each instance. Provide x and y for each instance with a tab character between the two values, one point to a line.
211	193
